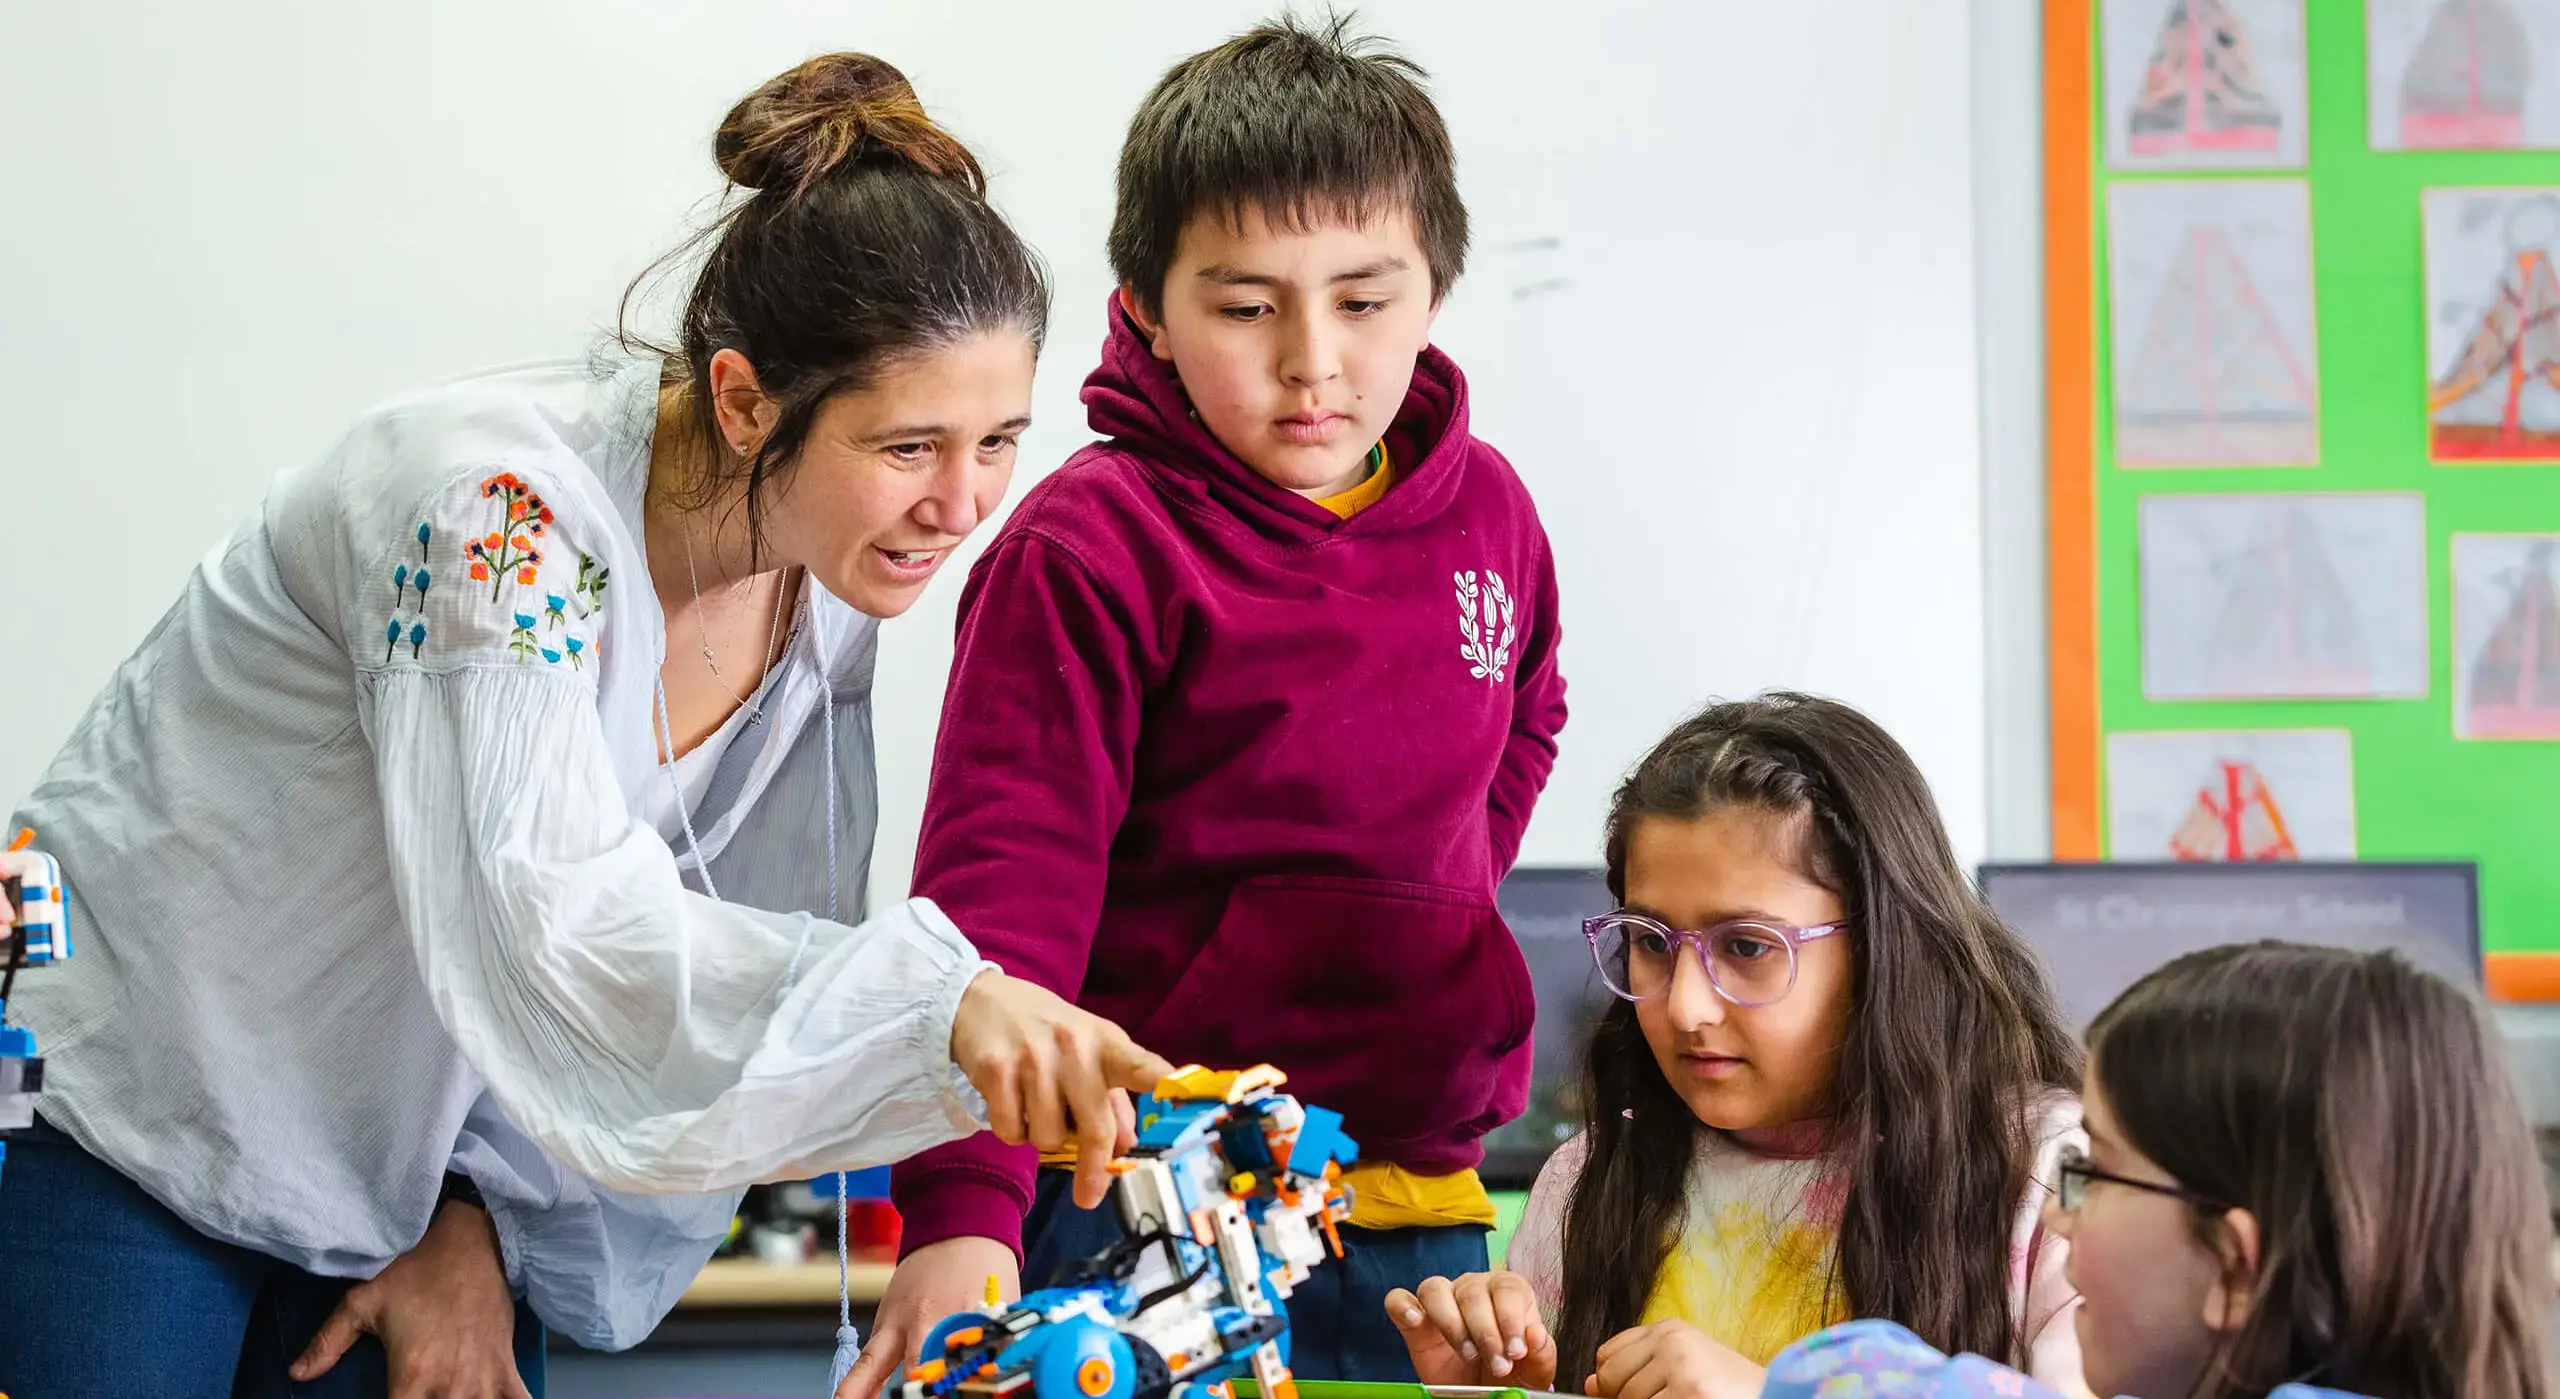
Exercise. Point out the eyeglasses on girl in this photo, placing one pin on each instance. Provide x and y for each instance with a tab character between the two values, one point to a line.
1749	961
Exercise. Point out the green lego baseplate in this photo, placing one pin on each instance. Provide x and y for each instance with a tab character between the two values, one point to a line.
1365	1389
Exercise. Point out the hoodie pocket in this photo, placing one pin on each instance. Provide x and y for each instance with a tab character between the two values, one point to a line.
1402	1006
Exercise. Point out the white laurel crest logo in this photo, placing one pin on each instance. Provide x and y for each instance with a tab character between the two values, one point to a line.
1485	621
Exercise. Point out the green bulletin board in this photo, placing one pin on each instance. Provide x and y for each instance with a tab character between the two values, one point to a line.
2290	601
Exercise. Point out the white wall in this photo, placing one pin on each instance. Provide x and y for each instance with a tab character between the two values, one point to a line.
1721	314
2008	208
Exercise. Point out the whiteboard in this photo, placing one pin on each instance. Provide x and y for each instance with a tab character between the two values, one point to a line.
1720	314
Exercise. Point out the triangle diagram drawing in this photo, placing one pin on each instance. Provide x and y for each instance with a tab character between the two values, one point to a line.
2200	92
2212	378
2464	85
2514	689
2287	625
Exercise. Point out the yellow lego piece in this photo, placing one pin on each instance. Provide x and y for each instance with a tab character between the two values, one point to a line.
1191	1083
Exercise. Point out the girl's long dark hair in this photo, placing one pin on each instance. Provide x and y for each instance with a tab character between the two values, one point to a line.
2363	1111
1952	1040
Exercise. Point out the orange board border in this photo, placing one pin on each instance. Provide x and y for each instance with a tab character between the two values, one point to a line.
2071	439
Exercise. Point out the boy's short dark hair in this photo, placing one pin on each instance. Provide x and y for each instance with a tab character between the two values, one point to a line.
1299	121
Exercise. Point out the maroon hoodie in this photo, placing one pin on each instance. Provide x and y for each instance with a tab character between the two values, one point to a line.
1242	776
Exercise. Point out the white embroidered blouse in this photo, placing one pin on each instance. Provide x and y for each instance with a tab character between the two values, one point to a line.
360	841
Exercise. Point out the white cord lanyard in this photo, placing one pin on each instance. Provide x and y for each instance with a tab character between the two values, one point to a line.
667	748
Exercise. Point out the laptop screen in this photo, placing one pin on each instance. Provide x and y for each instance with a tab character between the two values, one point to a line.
2101	927
1545	908
2098	927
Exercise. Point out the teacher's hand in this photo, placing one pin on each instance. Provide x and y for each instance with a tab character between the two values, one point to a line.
1052	1075
443	1312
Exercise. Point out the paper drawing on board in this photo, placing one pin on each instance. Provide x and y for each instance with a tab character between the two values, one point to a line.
2203	84
2506	636
2493	325
2462	74
2303	596
2212	323
2247	795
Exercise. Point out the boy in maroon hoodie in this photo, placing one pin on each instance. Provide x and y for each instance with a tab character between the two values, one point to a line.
1253	698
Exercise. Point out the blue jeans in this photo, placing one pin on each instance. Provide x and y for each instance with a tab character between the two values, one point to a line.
108	1295
1338	1326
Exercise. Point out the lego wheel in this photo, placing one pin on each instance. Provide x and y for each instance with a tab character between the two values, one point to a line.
1153	1378
1091	1361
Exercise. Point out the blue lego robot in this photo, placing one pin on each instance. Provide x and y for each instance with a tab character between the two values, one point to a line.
1231	1195
37	935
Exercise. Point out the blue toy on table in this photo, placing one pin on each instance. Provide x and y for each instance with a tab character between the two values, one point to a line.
37	935
1229	1198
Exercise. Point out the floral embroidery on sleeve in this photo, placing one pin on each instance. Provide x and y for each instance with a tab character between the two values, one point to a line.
403	580
497	533
520	641
592	577
509	548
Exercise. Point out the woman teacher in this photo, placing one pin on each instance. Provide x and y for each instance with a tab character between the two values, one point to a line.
485	826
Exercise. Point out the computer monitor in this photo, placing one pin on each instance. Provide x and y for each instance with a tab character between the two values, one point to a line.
1545	908
2100	927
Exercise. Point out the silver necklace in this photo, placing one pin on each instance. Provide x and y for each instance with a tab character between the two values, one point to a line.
755	712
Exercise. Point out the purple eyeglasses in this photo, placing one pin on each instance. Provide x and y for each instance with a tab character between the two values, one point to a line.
1749	961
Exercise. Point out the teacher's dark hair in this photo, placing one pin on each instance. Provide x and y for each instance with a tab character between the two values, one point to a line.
865	239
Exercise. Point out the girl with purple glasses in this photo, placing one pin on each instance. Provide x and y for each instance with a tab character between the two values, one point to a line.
1828	1088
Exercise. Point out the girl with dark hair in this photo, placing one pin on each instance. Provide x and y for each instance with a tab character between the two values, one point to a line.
484	831
2306	1170
1822	1091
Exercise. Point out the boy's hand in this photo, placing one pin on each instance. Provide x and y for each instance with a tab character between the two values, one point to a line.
1052	1075
1672	1360
1483	1328
931	1283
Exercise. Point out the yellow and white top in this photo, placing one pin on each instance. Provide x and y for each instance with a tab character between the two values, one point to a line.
1753	1264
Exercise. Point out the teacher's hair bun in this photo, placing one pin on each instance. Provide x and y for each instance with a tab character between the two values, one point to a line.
836	113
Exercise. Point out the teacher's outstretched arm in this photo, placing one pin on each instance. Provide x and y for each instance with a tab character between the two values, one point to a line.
654	1038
